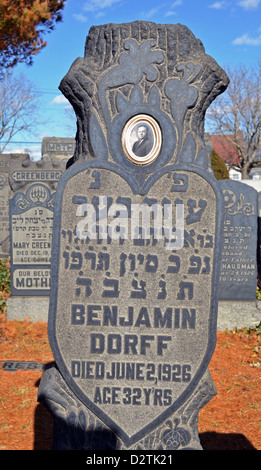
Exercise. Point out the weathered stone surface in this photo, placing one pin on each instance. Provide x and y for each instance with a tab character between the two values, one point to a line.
5	193
238	270
47	171
32	193
143	67
133	306
76	427
59	147
32	307
134	303
238	314
31	222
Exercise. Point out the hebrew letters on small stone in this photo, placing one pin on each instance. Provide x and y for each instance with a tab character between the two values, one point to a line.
238	270
31	222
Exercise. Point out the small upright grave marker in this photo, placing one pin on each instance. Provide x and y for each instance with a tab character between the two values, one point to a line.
133	306
238	270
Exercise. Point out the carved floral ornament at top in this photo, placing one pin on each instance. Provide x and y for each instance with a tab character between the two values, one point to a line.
139	61
132	66
143	81
119	79
240	206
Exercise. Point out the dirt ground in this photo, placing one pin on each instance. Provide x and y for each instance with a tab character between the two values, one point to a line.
230	421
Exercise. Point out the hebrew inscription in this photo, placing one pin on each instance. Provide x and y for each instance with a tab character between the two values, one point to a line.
133	305
31	221
136	304
238	269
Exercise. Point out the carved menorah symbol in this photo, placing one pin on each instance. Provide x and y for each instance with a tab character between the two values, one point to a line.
38	194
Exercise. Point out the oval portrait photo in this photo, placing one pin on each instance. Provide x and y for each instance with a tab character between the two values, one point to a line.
141	139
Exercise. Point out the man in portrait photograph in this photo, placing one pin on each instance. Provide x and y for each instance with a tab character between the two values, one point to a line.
144	144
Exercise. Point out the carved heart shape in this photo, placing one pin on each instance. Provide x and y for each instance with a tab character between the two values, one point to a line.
132	320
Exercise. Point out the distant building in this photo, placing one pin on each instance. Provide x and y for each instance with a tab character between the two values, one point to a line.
228	152
255	174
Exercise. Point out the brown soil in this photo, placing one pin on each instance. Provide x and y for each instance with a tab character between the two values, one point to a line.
230	421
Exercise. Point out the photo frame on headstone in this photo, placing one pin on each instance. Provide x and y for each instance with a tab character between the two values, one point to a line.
142	139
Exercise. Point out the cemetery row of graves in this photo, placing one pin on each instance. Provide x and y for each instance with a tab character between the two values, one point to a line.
27	202
27	194
134	316
229	422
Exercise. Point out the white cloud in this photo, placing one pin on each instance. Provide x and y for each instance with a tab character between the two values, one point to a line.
34	151
170	13
176	3
246	40
152	12
249	4
218	5
80	17
59	99
96	5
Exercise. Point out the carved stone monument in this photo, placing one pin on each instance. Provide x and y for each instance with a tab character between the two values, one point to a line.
31	220
138	220
33	187
238	270
238	306
6	160
58	147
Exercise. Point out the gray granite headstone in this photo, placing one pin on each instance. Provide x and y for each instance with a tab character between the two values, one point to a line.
46	171
31	222
133	305
259	235
6	160
59	147
33	186
238	267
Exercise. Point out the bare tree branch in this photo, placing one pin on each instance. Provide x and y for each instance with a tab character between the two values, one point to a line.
236	115
18	107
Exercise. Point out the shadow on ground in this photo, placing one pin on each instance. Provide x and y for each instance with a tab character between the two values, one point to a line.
220	441
43	434
209	440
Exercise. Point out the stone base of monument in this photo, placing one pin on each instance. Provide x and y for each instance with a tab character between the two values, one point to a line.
77	428
233	314
33	308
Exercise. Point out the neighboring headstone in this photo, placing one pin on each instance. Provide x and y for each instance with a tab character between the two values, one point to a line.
259	236
59	147
5	192
45	171
133	305
238	306
31	226
238	270
31	222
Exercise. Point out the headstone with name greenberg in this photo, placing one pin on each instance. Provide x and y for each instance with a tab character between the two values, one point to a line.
238	270
31	227
138	218
31	221
6	160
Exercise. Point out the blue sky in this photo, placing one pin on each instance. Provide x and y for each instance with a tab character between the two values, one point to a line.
229	29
